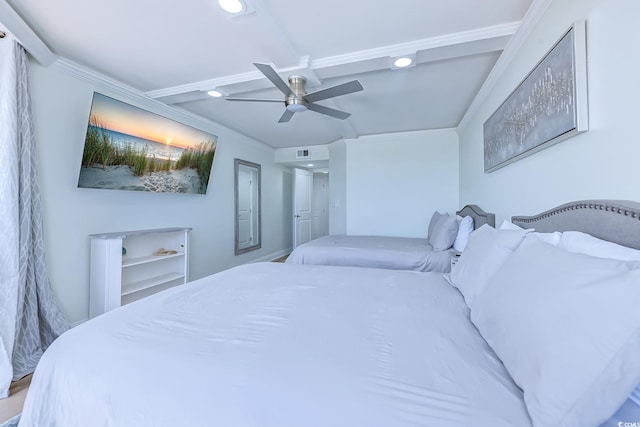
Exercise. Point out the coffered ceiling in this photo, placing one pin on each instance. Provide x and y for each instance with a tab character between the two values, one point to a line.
176	51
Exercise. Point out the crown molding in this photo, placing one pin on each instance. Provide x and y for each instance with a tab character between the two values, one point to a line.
529	22
479	34
302	68
410	132
206	84
140	99
25	35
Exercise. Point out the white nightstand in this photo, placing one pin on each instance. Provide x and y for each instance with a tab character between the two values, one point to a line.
455	256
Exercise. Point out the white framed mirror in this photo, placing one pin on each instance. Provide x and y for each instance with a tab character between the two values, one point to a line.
248	227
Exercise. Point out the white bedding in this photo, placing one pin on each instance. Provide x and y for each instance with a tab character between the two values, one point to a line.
278	345
394	253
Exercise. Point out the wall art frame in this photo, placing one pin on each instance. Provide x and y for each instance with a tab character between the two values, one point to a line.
129	148
547	107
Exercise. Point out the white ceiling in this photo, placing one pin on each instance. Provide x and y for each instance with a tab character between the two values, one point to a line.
175	51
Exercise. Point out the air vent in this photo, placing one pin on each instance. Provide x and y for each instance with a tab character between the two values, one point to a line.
303	154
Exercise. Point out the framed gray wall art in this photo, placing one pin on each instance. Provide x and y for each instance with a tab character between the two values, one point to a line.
548	106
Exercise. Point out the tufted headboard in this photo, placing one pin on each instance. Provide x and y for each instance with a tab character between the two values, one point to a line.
479	216
617	221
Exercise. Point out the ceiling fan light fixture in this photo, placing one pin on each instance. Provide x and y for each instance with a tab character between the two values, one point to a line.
297	108
234	7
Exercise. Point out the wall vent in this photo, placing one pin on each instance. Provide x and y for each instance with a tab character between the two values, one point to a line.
303	154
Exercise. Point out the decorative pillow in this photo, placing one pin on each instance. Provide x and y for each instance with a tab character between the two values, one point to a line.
567	328
576	241
486	251
434	219
443	233
465	227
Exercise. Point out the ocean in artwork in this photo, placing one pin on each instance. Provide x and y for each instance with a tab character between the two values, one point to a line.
154	149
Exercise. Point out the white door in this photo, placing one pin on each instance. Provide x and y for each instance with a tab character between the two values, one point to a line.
302	182
319	205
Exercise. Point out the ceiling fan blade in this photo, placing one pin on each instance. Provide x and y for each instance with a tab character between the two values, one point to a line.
255	100
328	111
286	116
271	74
343	89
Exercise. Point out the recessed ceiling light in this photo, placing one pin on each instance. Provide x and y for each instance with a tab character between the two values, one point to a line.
402	62
232	6
309	165
215	93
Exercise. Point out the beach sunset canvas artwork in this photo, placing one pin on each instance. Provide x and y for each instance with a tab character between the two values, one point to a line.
128	148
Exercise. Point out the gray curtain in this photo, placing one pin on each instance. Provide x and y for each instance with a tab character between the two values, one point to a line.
29	316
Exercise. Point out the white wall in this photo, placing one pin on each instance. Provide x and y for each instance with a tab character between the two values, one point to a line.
61	105
289	154
396	181
338	188
601	163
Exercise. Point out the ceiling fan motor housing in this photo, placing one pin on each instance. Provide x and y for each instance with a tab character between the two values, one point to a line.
295	102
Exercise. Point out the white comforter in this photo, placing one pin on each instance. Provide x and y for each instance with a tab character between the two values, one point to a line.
277	345
394	253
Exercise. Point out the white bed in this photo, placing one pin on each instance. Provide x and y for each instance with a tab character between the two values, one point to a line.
395	253
281	345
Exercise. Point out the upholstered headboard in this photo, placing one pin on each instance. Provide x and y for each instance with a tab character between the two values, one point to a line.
617	221
479	216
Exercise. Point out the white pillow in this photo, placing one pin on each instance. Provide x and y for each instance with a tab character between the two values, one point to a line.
465	227
576	241
550	238
443	232
567	328
508	225
486	251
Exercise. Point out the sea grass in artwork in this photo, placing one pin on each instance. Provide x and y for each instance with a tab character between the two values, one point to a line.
128	148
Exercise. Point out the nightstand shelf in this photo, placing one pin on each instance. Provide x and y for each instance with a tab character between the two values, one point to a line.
124	267
150	283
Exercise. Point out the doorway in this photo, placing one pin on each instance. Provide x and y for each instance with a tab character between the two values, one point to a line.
302	189
320	205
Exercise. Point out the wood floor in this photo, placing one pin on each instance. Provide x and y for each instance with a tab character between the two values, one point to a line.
12	405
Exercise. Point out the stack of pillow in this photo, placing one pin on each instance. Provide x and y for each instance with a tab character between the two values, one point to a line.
561	312
449	231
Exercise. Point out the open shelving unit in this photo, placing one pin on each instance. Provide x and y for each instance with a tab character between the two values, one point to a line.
125	267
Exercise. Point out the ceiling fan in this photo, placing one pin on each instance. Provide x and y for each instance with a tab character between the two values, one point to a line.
297	100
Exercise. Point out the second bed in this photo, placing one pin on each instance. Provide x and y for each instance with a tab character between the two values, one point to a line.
393	253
